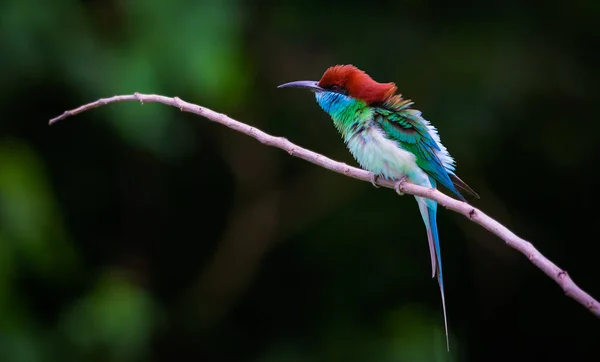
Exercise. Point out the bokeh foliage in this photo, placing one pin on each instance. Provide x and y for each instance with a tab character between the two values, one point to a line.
139	233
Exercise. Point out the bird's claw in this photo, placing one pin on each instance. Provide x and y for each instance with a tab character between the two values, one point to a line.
398	184
374	179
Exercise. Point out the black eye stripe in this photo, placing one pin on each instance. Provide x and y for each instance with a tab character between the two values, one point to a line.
336	88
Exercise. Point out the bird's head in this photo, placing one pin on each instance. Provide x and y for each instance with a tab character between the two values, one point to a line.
350	81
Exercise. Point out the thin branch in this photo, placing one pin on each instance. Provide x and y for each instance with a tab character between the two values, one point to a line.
477	216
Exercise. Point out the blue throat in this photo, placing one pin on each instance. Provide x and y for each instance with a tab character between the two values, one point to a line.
335	103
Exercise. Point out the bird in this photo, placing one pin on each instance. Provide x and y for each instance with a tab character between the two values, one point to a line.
389	138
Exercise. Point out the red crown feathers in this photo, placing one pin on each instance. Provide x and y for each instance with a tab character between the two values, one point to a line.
358	83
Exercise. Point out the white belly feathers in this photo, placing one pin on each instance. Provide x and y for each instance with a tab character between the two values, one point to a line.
375	153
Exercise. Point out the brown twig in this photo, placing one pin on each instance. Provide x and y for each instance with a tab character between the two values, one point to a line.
526	248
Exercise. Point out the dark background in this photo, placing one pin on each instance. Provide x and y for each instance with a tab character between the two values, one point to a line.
141	233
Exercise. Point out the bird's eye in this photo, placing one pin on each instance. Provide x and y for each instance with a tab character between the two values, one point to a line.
335	88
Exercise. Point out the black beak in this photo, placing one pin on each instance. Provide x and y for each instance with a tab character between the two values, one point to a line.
310	84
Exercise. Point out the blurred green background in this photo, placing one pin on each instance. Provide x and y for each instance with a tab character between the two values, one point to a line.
141	233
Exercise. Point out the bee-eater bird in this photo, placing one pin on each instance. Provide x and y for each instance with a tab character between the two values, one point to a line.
390	139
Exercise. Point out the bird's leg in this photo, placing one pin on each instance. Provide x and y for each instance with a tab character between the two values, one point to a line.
374	178
399	183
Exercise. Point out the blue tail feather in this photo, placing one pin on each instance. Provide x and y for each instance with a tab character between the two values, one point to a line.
428	210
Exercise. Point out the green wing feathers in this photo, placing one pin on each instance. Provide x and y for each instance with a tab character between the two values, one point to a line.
409	130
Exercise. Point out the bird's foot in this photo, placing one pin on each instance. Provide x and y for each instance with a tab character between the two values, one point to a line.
398	185
374	179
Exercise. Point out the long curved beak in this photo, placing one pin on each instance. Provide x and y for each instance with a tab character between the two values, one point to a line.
309	84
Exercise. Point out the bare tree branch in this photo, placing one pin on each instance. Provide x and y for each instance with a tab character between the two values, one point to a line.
477	216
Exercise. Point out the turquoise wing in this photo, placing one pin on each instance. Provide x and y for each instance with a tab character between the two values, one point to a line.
413	136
